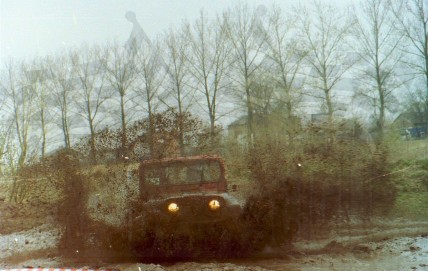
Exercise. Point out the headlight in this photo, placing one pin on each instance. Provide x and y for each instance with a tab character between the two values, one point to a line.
173	207
214	204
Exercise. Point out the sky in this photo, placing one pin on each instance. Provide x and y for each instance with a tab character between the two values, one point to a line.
31	28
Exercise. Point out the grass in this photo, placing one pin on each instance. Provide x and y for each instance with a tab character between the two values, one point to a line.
410	149
411	205
410	159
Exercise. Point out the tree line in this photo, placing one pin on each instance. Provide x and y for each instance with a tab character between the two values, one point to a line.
261	62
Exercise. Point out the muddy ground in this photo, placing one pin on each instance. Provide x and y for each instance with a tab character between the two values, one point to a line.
382	245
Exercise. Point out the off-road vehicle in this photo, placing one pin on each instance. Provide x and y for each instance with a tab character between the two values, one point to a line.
184	198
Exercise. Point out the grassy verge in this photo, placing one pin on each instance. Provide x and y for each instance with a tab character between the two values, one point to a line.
410	149
411	205
410	174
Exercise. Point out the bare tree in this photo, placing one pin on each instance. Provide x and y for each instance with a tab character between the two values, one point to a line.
209	64
264	94
178	92
243	28
412	23
415	105
122	74
20	103
324	32
377	46
89	70
175	63
285	51
34	79
5	136
4	131
61	86
151	78
11	156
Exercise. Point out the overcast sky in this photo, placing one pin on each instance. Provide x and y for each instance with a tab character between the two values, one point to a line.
30	28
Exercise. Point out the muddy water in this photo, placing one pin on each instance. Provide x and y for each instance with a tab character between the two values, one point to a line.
400	253
405	253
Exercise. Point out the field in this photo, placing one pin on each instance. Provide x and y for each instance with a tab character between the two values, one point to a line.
372	242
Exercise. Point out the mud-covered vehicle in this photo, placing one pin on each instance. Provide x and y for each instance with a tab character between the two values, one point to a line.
182	202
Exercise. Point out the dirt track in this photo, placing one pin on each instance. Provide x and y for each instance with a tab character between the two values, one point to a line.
404	247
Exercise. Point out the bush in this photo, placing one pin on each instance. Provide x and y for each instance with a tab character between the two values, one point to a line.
314	184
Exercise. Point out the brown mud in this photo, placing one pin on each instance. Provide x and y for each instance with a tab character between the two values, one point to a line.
399	246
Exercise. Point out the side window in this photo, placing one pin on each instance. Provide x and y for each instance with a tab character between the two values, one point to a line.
153	176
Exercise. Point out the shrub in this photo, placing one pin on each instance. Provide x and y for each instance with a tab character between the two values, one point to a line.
315	183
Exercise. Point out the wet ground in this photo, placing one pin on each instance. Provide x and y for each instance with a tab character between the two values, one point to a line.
404	247
382	245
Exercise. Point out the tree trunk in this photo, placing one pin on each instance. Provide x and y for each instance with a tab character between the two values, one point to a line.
124	150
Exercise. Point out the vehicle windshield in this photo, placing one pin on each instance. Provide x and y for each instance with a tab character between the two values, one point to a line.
183	173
